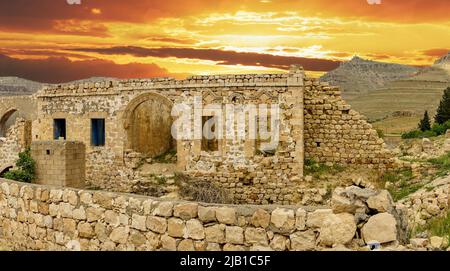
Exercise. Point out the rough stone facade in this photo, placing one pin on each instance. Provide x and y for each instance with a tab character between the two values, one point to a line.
314	122
336	133
37	217
59	163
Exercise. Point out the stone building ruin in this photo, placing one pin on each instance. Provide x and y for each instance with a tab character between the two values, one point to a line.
123	122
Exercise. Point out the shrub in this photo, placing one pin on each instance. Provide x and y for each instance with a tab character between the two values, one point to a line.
418	134
25	171
436	130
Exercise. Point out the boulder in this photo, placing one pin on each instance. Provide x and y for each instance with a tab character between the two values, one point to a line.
261	218
380	227
382	202
283	220
340	203
337	229
427	145
316	218
303	240
418	242
436	242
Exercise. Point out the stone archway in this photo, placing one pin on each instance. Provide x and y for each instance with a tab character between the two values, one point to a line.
4	121
148	124
4	169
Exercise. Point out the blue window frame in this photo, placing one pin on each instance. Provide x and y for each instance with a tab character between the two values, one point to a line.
98	132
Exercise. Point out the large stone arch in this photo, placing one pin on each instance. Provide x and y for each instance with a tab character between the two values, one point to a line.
147	123
4	120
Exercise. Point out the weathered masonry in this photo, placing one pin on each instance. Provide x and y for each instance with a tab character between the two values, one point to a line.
120	122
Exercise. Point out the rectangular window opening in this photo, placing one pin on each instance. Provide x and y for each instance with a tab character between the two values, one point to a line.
59	129
263	138
98	132
210	142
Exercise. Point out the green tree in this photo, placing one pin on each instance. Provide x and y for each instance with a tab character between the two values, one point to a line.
443	112
25	171
424	124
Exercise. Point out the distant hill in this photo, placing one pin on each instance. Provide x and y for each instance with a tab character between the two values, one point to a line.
18	86
438	72
361	76
443	61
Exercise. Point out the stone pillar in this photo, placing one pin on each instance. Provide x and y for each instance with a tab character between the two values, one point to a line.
59	162
296	89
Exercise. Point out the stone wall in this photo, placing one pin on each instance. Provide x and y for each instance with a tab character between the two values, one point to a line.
59	162
335	133
248	176
37	217
315	122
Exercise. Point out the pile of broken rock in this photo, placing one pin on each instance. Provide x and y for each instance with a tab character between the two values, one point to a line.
375	220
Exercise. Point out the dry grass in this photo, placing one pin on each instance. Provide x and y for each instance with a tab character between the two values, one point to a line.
396	126
379	105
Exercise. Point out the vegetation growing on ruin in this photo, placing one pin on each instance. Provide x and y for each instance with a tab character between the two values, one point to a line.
437	226
400	181
442	164
317	169
166	158
25	171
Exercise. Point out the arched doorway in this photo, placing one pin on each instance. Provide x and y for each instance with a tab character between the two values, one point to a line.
148	124
7	120
5	169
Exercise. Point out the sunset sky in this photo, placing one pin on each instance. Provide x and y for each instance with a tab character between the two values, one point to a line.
52	41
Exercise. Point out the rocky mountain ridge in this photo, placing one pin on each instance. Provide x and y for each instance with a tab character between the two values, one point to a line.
360	75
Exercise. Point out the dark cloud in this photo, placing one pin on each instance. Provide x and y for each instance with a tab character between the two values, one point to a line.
60	69
42	15
42	53
221	56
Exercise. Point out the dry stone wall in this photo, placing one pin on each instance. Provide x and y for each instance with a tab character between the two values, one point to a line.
335	133
37	217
